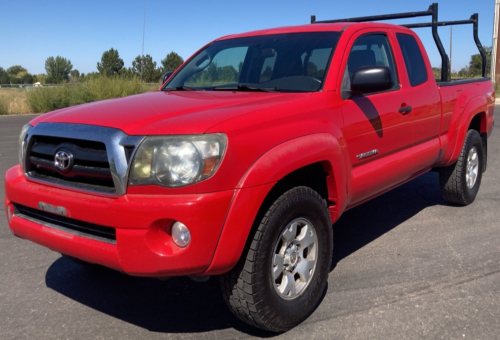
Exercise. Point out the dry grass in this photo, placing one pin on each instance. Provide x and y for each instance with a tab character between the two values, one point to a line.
47	99
14	101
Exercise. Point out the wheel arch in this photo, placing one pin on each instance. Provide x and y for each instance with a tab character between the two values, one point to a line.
314	161
474	117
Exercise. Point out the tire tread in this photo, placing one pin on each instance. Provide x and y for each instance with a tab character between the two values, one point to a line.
239	285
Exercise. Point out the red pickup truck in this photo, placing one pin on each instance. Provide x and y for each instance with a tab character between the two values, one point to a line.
240	164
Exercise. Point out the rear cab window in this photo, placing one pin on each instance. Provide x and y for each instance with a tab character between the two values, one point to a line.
414	61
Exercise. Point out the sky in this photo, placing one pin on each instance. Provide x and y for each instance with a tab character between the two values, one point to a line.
82	30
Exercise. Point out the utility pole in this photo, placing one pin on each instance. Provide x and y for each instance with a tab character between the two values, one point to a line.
451	39
495	60
143	33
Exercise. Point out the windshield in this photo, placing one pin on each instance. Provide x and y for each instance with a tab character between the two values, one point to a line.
294	62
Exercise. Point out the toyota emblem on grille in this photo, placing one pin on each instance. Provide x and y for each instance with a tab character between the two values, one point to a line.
63	160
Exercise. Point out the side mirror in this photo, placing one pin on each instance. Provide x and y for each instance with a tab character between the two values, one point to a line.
166	76
368	79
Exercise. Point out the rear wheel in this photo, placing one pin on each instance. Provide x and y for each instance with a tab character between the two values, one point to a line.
460	182
282	275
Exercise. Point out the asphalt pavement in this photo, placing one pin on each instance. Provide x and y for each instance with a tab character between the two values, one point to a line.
406	266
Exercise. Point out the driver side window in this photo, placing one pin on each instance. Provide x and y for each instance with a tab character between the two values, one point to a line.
371	50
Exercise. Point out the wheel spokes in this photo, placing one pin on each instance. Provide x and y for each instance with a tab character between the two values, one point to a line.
472	168
277	265
305	269
306	237
287	286
294	259
290	233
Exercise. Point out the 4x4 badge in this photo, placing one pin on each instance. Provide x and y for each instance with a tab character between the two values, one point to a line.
63	160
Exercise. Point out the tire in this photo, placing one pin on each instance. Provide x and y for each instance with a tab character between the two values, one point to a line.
282	274
460	182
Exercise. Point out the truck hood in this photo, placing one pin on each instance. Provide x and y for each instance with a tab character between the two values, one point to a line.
177	112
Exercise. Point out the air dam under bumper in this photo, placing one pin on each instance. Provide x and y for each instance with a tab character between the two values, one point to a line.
143	244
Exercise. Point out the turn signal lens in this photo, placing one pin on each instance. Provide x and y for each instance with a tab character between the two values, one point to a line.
10	212
22	143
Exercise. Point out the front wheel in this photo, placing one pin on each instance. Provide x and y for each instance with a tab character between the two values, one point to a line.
282	274
460	182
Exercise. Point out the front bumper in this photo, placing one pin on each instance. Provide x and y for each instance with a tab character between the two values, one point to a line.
143	245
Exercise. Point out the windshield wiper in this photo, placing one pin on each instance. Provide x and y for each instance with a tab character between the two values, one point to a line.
245	87
180	88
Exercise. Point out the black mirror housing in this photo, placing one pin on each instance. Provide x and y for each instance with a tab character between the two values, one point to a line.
368	79
166	75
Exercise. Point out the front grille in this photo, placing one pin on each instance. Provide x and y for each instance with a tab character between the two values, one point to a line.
85	158
89	168
69	225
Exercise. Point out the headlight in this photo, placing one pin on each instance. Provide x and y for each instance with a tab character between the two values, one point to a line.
22	143
175	161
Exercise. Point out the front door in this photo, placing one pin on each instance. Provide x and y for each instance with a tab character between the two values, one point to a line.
377	126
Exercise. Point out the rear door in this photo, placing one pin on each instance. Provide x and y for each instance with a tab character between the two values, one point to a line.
425	98
377	126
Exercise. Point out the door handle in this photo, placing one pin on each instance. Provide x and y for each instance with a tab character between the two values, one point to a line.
405	110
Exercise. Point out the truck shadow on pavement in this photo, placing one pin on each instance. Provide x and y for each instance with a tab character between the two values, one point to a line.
180	305
365	223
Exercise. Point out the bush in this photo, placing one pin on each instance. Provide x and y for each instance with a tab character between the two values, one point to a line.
47	99
114	87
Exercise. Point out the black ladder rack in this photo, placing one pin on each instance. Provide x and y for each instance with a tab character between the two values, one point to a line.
434	24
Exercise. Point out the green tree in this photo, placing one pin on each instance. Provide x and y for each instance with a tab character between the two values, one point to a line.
13	71
4	76
57	69
27	78
145	67
227	74
111	63
476	63
15	80
464	72
127	73
74	75
437	72
171	62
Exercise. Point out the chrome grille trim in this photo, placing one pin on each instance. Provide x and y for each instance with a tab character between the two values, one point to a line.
115	141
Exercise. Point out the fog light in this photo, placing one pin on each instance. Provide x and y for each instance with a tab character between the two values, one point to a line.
181	234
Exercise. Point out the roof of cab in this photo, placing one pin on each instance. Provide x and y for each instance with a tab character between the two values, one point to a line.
335	27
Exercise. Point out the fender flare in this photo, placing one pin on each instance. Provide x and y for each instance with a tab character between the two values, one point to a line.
260	178
477	105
